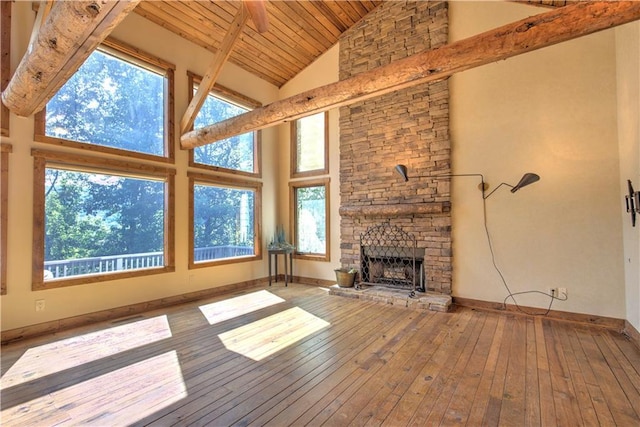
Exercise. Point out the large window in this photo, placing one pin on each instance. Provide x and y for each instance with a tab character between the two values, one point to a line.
309	146
93	224
224	222
239	154
5	149
119	99
310	215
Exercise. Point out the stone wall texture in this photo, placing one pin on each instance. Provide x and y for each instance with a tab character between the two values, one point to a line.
409	126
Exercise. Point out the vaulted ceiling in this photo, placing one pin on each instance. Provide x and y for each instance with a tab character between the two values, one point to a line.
299	31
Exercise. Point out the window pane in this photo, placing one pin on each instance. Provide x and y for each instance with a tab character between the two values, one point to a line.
101	223
110	102
310	141
233	153
223	222
311	220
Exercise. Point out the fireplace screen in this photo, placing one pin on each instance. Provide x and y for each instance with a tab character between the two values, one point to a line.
389	257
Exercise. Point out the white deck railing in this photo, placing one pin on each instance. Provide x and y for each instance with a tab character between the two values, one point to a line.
113	263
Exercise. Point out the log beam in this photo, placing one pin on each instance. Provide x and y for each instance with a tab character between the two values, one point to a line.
258	13
71	31
556	26
214	69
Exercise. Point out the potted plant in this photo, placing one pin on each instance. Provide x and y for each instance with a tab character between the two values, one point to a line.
346	277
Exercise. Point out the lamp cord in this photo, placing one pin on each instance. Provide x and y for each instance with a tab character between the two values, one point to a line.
502	278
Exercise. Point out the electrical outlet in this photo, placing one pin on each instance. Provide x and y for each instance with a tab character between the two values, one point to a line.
40	305
562	293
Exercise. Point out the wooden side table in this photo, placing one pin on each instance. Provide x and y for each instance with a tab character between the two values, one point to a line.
288	273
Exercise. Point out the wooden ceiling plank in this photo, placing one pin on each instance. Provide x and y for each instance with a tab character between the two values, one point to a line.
274	65
314	9
312	26
289	33
190	22
214	69
296	31
335	14
360	9
538	31
260	42
347	13
66	39
216	21
174	14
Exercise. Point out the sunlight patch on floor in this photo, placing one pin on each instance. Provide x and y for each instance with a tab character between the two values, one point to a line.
265	337
234	307
120	397
58	356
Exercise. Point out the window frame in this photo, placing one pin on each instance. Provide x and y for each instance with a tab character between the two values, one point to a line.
5	149
216	180
234	97
133	55
77	162
5	61
294	151
293	216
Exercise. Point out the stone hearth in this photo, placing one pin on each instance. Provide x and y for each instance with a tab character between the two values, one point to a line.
427	301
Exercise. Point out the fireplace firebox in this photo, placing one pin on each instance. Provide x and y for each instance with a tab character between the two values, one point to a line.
389	257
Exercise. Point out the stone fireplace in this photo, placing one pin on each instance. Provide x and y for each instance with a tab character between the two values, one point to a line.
409	126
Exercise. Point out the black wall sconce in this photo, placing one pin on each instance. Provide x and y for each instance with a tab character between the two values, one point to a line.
527	179
632	201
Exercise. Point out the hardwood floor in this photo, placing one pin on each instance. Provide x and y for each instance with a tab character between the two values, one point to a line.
297	356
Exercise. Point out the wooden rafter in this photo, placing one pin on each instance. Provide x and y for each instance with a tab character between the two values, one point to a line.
214	69
257	11
71	31
519	37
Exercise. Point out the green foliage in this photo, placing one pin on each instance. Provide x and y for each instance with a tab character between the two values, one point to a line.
223	216
311	219
118	104
232	153
112	103
89	215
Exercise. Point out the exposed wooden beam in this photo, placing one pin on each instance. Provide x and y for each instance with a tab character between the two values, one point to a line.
44	8
519	37
258	13
71	31
214	69
5	63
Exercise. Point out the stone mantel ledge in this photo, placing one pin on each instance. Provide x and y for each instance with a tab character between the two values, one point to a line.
397	209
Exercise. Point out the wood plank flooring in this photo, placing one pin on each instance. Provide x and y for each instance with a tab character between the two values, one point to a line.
298	356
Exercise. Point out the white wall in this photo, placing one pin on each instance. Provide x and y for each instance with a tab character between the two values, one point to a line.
628	73
553	112
18	305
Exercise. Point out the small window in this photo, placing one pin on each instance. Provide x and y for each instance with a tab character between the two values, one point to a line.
309	146
224	220
5	149
310	216
93	224
238	154
114	102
